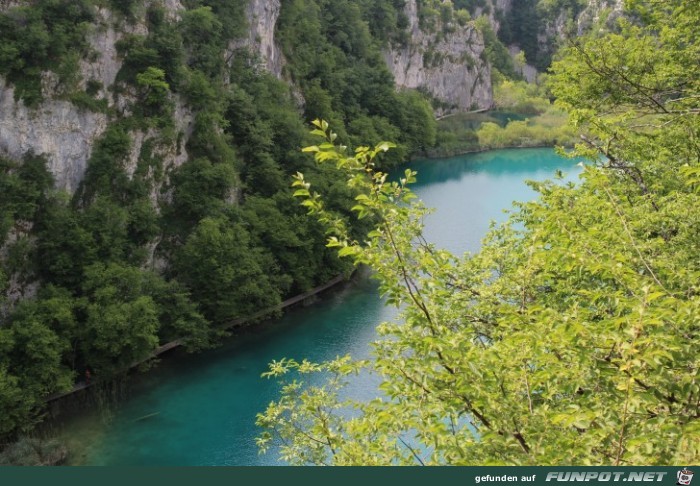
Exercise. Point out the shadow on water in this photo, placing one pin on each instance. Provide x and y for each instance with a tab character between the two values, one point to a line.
200	409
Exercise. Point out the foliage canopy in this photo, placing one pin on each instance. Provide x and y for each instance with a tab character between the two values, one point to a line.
572	336
176	228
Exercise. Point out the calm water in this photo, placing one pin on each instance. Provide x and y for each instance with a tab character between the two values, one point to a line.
200	410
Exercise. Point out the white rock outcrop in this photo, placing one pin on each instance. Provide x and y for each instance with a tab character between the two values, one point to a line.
593	13
527	71
494	10
64	133
262	18
448	66
105	63
55	129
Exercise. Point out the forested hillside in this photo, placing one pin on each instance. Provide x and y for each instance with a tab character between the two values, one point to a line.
146	151
175	227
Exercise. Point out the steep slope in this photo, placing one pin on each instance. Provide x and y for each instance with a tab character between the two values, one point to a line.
262	18
146	153
56	129
538	27
60	128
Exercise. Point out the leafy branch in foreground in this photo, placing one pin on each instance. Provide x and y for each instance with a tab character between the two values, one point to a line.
569	340
571	337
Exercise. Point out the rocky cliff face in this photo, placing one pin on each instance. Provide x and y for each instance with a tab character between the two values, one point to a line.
103	40
445	62
448	67
599	11
262	18
64	133
494	9
56	129
600	14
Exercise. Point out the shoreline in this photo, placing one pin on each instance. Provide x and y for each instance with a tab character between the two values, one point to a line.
242	321
235	323
426	156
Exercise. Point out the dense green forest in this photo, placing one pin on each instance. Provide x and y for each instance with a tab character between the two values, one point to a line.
140	256
232	240
572	336
528	20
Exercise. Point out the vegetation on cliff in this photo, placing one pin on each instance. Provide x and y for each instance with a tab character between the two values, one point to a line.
142	255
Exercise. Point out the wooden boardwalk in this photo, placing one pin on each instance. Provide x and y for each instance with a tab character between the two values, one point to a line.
480	110
228	325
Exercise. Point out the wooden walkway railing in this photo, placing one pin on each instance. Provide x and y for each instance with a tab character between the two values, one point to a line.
228	325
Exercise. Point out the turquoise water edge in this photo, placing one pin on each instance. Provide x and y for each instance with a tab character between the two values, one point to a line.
200	409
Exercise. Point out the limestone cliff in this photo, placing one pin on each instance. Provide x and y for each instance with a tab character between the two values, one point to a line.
262	18
64	133
494	10
598	14
445	60
56	129
447	66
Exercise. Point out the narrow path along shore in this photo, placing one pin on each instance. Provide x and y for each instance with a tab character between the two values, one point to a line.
459	153
480	110
228	325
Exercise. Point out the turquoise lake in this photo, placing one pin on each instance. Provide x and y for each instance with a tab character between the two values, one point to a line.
200	409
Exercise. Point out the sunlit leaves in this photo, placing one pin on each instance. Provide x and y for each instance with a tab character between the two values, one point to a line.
570	338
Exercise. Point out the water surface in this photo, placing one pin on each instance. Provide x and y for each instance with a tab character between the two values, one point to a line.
200	409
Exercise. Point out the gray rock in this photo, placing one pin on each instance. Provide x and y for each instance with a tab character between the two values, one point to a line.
460	79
